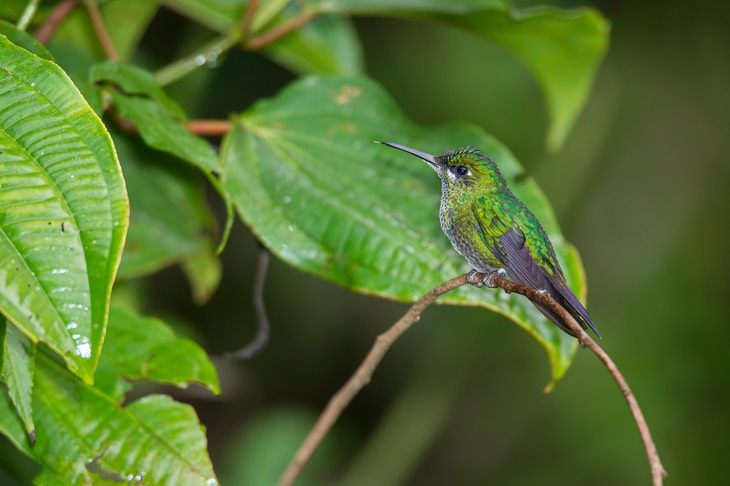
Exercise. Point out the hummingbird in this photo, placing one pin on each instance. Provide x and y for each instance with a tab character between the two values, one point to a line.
495	232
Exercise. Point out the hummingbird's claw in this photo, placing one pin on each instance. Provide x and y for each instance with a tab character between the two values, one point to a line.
474	280
477	280
501	272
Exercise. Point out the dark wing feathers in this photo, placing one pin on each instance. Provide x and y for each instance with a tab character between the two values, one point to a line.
510	250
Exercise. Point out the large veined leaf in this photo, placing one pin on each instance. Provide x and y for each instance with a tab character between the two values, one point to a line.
84	436
562	48
63	210
305	174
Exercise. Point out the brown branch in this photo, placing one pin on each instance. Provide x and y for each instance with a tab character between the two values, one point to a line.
63	8
362	375
263	40
97	23
360	378
657	470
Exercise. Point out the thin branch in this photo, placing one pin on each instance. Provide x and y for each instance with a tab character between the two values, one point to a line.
97	23
27	15
657	470
63	8
263	40
263	328
362	375
360	378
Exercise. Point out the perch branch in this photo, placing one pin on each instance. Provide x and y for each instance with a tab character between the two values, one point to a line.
362	375
657	470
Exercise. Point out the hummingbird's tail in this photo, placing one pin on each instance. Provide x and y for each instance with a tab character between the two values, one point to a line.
560	292
523	269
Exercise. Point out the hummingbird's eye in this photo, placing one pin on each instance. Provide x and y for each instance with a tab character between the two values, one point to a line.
462	171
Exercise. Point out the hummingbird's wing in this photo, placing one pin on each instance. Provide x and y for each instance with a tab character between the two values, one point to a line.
507	243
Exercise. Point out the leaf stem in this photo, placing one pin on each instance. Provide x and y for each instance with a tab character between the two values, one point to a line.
245	25
97	23
362	375
62	10
27	15
208	53
263	40
209	128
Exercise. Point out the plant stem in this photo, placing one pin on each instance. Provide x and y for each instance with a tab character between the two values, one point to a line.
97	23
209	128
27	15
263	40
186	65
63	8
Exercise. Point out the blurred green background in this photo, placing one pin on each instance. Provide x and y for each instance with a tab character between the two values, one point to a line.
641	187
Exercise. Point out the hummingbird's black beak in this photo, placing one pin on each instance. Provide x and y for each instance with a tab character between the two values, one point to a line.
421	155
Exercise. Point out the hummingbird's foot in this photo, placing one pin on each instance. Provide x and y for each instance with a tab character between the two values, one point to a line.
501	272
486	280
474	280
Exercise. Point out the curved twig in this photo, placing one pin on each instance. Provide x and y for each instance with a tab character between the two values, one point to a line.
657	470
362	375
263	328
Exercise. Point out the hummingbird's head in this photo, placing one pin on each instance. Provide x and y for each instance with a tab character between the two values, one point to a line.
464	169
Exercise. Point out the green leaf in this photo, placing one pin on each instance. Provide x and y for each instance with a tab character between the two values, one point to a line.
170	220
65	210
83	436
160	121
204	273
146	348
305	174
11	426
161	131
219	15
17	371
132	80
562	48
24	40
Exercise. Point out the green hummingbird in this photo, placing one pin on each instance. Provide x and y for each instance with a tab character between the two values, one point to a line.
496	233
